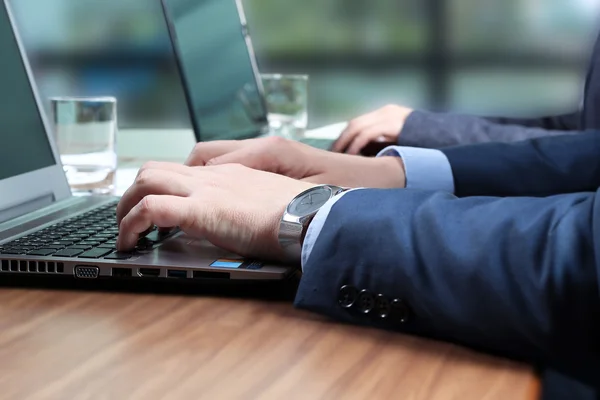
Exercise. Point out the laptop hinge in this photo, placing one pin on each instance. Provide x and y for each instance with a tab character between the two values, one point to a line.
26	207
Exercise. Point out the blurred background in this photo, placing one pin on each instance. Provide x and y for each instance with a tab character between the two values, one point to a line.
509	57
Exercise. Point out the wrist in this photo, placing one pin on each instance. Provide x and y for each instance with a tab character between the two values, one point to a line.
297	217
391	170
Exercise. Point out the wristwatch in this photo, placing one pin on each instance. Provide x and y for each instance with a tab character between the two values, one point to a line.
298	215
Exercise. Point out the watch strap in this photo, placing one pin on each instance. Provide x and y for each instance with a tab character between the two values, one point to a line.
292	232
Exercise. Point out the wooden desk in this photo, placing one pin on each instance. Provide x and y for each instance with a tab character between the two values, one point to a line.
91	345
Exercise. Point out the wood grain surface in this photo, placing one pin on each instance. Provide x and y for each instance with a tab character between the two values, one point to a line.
97	345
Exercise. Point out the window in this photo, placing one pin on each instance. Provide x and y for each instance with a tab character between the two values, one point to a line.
482	56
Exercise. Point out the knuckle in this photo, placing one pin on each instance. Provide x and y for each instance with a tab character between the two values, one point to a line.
144	176
147	204
198	147
149	165
391	108
196	152
276	141
352	125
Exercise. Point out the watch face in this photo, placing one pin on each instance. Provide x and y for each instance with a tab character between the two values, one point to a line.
310	202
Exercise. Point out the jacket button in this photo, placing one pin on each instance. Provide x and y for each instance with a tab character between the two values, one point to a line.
400	310
347	296
365	302
382	306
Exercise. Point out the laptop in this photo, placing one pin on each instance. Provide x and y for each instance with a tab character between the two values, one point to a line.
219	73
44	230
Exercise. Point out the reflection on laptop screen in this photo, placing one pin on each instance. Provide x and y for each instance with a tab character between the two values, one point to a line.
216	66
24	145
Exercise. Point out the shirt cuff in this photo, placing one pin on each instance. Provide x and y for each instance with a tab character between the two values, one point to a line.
426	169
316	225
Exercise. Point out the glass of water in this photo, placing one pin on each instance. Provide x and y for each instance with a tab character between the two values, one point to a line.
85	130
287	104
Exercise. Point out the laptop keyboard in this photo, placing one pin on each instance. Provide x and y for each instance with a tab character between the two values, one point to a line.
91	235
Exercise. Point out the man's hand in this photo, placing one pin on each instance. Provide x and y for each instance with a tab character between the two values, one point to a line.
233	207
299	161
382	125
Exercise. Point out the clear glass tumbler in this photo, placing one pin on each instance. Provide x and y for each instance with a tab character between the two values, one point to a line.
85	130
286	98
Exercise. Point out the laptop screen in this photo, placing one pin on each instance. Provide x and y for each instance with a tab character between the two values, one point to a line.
217	68
24	145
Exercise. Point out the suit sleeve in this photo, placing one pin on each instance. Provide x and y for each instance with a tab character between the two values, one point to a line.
564	122
438	130
513	276
537	167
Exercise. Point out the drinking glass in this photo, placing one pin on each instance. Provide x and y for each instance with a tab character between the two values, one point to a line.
286	98
85	130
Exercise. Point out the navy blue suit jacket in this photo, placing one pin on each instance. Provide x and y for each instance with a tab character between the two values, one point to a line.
517	276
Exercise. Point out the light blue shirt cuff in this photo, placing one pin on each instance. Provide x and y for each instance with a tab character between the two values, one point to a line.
427	169
314	229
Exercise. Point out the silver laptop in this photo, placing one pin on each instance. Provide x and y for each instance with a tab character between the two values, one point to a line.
218	70
44	230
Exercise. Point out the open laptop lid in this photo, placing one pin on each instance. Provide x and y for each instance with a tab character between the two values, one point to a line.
31	176
216	63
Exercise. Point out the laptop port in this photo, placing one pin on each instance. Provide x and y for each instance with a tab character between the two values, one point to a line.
86	271
176	273
121	272
149	272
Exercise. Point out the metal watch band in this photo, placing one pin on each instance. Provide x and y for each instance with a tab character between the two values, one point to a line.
292	228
